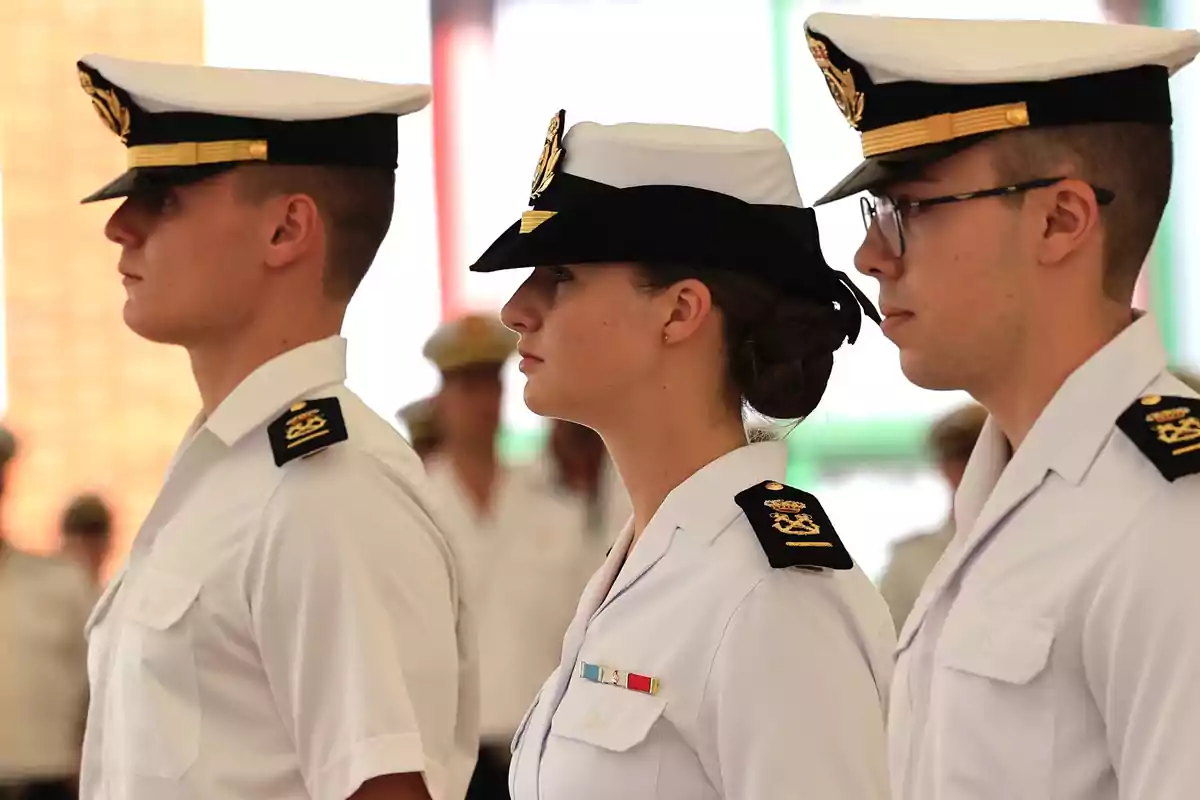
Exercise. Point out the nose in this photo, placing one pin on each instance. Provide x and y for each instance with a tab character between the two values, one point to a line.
874	257
522	312
127	225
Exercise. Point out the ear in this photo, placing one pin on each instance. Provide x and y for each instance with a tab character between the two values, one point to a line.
298	230
1072	221
689	304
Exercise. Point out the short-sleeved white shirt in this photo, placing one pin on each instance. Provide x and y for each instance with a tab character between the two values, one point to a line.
283	631
772	682
1054	653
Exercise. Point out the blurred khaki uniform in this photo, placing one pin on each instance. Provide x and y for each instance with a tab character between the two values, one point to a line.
418	419
44	604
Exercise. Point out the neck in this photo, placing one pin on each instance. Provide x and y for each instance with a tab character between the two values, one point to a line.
218	366
1017	396
655	452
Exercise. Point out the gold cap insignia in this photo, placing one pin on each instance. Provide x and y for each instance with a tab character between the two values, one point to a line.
108	107
849	100
551	155
1169	435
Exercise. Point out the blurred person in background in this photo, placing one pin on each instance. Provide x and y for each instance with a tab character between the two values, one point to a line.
418	418
728	647
576	468
1018	172
524	549
86	533
951	440
44	604
288	623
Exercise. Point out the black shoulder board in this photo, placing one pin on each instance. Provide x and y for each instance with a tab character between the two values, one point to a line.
308	427
792	528
1167	430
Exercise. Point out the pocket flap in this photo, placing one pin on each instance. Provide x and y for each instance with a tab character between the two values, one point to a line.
609	717
1007	649
159	599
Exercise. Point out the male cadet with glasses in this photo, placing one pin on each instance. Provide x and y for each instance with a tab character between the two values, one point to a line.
288	623
1019	171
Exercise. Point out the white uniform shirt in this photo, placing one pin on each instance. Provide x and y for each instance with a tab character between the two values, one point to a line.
1055	651
773	682
44	603
283	632
526	562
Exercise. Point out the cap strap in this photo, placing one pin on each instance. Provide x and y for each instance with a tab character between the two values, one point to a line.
190	154
944	128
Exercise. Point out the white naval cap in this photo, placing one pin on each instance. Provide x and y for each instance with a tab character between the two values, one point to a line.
921	89
753	166
471	340
183	122
673	195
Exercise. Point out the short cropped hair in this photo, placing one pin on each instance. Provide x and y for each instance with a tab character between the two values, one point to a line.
355	203
1131	159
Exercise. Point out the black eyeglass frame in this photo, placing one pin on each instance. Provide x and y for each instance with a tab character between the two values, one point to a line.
901	208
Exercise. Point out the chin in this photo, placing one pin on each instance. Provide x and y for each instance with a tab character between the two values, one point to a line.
928	372
150	328
546	401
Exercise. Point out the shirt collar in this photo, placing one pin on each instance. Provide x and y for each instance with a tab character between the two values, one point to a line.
703	505
1070	432
276	384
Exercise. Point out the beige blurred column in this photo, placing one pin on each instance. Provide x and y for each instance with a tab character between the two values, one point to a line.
94	406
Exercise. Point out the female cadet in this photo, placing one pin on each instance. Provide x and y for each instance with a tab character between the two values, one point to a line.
728	647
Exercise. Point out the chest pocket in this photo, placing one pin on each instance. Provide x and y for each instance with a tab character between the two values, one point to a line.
606	730
157	695
993	698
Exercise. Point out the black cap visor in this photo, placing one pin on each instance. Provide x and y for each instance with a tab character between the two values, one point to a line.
880	171
139	180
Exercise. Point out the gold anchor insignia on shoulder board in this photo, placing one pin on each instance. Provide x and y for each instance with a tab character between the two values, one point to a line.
849	100
306	428
1167	431
1175	426
788	517
108	106
551	154
792	527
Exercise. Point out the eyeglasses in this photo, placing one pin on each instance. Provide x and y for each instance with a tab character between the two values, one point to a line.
890	213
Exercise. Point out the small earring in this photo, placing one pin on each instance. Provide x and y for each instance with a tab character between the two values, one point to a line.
666	338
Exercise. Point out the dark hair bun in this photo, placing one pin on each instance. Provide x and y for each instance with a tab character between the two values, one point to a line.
781	362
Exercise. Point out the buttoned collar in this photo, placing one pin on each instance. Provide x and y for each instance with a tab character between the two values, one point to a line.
275	384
